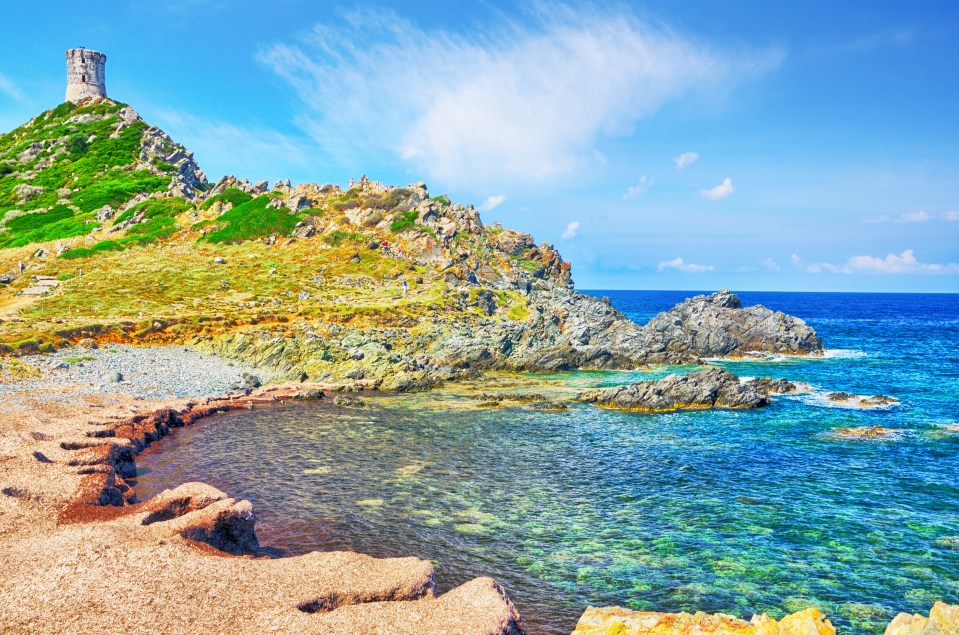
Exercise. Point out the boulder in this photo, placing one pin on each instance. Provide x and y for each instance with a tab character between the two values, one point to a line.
24	192
770	386
943	620
700	390
718	326
105	213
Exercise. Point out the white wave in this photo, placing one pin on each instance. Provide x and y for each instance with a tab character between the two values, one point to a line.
773	358
820	399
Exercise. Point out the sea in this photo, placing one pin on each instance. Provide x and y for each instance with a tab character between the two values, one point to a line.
742	512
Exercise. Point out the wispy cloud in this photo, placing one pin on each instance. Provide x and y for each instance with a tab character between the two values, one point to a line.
504	101
8	88
909	217
770	264
951	216
678	264
905	262
685	160
226	148
491	202
571	230
635	191
721	191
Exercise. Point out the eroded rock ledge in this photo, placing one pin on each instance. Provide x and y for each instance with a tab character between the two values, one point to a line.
169	564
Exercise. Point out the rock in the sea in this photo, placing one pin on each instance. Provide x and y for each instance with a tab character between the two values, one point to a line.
868	432
770	386
619	621
348	402
859	401
703	389
943	620
718	326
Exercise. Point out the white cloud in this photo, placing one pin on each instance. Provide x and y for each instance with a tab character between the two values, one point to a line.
491	202
913	217
951	216
685	160
640	188
600	158
571	230
721	191
225	148
905	262
8	88
679	264
518	100
770	264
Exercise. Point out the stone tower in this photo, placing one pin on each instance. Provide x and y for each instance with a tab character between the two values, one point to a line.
86	74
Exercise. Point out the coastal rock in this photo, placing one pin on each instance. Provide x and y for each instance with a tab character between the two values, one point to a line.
718	326
861	401
700	390
770	386
943	620
868	432
619	621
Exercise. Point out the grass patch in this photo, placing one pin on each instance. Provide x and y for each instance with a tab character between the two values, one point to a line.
405	222
252	219
232	195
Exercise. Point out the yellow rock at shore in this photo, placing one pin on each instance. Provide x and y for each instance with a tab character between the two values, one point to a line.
619	621
943	620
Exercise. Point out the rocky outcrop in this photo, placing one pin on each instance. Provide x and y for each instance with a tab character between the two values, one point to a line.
943	620
718	326
620	621
700	390
770	386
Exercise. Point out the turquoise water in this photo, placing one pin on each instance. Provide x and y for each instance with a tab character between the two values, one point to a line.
733	511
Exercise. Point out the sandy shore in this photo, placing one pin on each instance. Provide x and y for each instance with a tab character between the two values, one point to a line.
79	553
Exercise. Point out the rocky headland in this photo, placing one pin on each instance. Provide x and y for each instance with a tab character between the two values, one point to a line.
130	254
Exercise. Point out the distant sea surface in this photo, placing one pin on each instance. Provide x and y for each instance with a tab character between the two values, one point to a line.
735	511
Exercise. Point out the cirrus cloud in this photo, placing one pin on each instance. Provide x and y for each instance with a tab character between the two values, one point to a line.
507	100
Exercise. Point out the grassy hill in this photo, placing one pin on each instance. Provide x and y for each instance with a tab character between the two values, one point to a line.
147	251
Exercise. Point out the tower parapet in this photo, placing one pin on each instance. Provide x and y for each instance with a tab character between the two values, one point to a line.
86	74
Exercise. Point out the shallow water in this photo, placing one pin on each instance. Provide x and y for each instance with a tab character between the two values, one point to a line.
733	511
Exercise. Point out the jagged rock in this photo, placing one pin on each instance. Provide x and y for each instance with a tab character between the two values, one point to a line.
105	213
769	386
619	621
513	242
943	620
703	389
717	325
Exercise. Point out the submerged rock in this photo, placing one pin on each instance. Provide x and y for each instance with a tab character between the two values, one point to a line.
619	621
868	432
700	390
861	401
718	326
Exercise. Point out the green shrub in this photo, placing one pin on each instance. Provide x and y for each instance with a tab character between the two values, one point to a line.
232	195
406	221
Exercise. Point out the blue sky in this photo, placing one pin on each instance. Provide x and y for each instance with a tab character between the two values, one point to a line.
661	145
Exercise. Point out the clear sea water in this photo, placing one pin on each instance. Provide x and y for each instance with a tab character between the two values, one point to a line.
735	511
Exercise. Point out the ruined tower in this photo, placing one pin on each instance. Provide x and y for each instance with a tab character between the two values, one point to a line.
86	74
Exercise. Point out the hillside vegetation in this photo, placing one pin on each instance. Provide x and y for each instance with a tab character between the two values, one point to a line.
145	250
